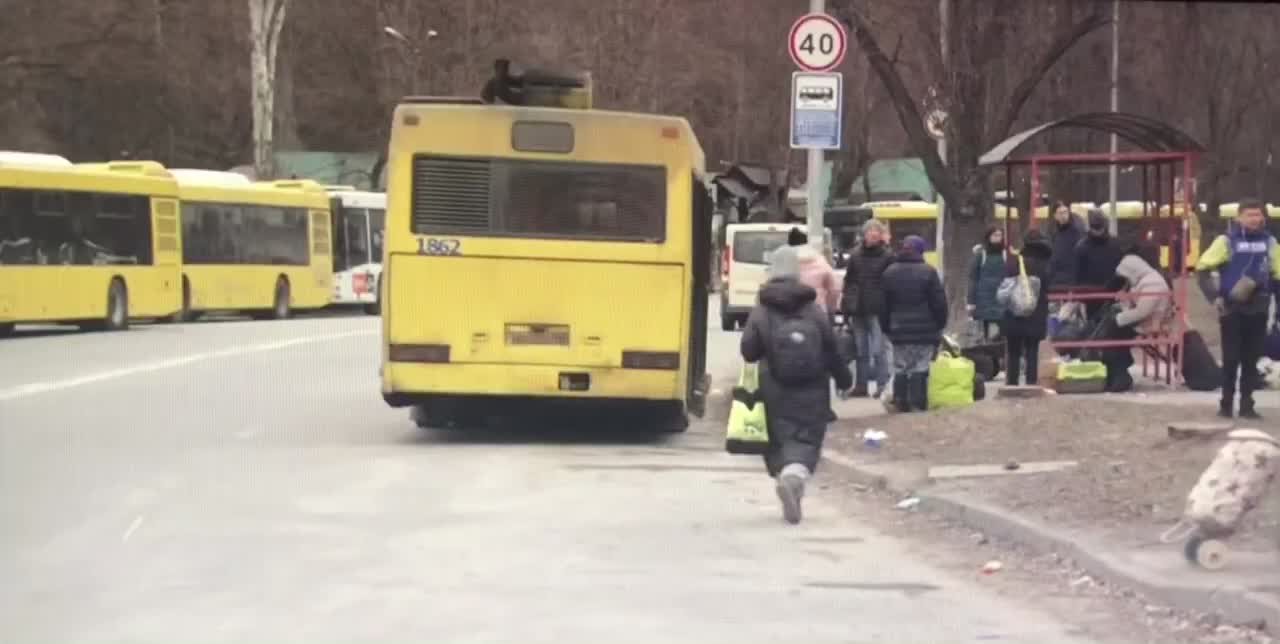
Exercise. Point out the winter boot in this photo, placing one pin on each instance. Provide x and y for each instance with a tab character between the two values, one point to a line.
1225	408
1247	411
790	488
900	389
919	392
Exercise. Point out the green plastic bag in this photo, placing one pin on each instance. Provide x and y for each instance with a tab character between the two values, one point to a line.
950	382
748	431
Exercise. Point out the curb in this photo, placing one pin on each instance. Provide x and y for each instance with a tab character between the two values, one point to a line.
1236	604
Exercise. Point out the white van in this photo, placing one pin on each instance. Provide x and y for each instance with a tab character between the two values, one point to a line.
744	264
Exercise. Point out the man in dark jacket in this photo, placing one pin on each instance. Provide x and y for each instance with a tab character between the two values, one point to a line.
797	410
915	313
1247	263
862	302
1068	230
1097	256
1023	334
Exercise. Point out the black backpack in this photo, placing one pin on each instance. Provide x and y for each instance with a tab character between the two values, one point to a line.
1199	369
795	349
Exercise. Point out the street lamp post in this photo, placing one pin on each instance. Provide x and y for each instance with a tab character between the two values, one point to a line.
414	52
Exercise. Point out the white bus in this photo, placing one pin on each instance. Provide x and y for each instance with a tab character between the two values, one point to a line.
358	222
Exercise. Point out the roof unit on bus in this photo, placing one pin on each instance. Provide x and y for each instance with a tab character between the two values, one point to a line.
292	184
145	168
210	177
33	158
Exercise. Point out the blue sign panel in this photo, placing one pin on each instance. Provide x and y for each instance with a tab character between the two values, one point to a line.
817	110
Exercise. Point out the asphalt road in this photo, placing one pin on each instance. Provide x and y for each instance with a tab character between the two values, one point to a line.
243	481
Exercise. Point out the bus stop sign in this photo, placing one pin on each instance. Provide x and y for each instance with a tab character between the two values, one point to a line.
817	106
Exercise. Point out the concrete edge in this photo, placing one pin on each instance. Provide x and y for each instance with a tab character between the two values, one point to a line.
1236	604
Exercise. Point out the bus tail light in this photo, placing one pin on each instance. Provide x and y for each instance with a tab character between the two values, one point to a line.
664	360
436	353
725	256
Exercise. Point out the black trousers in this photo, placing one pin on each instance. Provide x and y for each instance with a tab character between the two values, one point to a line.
1020	347
1243	337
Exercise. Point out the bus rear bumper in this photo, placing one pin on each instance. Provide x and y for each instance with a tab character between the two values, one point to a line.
406	384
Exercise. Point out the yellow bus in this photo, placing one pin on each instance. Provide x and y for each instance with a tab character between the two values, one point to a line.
1132	226
537	254
261	248
909	218
94	245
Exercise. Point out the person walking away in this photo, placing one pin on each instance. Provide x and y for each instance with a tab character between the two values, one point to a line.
914	313
792	339
862	302
815	271
1246	261
986	271
1068	230
1097	256
786	253
1144	314
1023	334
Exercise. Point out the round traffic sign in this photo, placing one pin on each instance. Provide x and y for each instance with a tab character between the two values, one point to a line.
817	42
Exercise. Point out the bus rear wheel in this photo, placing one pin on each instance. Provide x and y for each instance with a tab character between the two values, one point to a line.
280	305
6	328
671	418
117	317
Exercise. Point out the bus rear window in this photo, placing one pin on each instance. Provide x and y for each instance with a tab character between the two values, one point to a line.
756	247
561	200
924	228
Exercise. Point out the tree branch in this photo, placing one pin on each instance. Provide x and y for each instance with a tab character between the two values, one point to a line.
904	104
1050	57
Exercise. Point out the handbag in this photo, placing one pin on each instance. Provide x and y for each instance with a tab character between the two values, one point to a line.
748	428
1019	294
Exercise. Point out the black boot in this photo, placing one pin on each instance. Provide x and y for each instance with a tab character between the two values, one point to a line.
919	391
1247	411
1225	408
900	396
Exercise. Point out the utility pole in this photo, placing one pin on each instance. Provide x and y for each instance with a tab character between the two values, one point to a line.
1115	107
944	14
815	200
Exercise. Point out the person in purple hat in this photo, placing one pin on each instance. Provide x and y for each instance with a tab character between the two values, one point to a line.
914	315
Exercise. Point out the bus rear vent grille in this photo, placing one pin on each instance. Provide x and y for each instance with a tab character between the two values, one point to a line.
451	195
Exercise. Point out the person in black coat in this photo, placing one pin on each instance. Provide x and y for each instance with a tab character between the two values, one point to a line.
914	315
1023	334
797	414
1097	256
1068	230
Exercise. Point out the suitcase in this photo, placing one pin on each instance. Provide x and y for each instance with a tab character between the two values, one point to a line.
1199	368
1082	377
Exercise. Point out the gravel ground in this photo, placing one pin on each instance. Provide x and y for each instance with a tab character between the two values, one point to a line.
1131	481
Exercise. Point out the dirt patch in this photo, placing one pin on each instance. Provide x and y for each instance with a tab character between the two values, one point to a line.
1131	481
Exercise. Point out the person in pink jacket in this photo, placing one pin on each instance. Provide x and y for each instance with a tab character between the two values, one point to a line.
814	271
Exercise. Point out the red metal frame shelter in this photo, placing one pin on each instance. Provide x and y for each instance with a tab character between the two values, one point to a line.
1169	155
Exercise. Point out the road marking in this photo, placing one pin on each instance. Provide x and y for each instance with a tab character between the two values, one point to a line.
33	388
133	527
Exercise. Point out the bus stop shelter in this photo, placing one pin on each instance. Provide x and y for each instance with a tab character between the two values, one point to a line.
1166	158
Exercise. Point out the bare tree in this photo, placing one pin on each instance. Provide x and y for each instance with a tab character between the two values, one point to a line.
981	104
266	18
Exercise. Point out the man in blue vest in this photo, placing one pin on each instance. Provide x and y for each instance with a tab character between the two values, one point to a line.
1247	262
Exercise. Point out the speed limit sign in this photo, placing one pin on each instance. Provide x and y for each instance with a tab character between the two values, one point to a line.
817	42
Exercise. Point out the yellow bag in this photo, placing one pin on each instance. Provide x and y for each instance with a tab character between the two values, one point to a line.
748	431
950	382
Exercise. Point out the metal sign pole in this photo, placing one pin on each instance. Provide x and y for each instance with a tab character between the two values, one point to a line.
816	200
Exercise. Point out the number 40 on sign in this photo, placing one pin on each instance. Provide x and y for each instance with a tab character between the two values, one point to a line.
817	42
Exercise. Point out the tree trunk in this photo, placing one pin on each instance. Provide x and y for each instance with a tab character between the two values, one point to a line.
266	17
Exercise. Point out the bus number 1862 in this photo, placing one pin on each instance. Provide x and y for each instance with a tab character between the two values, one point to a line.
436	246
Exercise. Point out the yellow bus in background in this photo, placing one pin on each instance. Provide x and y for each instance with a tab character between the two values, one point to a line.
96	245
260	248
1134	226
909	218
540	253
